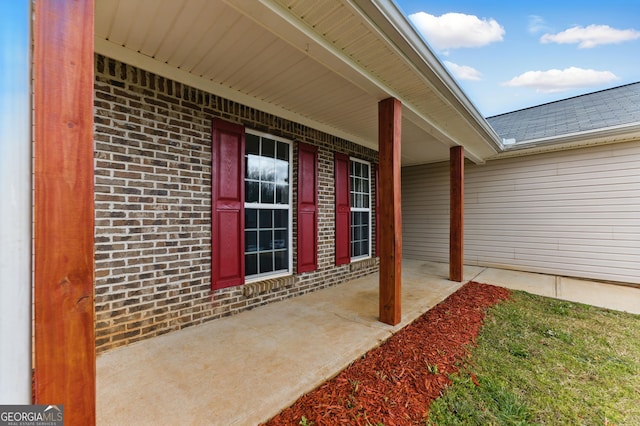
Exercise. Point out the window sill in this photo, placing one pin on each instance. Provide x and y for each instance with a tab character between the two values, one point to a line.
265	285
360	264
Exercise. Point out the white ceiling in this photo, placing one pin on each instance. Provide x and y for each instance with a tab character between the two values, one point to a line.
324	63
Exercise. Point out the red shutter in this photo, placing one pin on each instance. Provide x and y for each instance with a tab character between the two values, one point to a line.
227	182
377	201
343	209
307	208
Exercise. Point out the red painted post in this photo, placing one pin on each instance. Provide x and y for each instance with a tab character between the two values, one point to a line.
64	210
389	136
456	227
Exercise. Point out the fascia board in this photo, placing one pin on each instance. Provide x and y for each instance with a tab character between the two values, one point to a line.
609	135
415	49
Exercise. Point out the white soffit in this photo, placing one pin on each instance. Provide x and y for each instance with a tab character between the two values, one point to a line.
210	30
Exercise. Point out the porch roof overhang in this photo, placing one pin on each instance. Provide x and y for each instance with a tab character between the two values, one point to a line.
325	64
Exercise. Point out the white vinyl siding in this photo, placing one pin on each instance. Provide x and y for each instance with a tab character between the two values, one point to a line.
425	212
573	213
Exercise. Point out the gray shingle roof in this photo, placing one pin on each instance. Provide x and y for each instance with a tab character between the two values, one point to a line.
606	108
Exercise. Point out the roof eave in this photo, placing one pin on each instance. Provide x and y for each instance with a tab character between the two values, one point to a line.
608	135
415	48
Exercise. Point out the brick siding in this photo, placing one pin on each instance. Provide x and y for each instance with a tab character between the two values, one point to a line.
153	206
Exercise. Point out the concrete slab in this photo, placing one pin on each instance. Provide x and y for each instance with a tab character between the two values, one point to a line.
244	369
604	295
543	285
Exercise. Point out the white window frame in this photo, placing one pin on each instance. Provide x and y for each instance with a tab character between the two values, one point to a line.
289	207
361	209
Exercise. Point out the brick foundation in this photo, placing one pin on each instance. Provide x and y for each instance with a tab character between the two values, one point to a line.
153	207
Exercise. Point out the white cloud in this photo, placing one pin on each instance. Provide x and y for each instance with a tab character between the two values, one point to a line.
537	24
463	72
591	36
454	30
554	80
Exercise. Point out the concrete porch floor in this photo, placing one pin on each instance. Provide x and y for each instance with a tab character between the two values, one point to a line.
244	369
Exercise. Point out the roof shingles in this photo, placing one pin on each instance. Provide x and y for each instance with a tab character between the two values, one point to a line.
607	108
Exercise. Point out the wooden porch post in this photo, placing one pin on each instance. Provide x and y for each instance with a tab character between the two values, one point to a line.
456	229
64	210
389	132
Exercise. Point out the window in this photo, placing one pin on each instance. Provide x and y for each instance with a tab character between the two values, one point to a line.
360	195
267	207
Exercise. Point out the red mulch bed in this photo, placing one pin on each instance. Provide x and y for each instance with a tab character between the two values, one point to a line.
395	382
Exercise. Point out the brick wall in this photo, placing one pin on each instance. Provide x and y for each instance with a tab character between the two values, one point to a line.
153	206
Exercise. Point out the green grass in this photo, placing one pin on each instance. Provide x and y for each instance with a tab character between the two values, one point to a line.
547	361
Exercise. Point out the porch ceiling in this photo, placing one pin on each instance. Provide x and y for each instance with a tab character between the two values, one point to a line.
325	64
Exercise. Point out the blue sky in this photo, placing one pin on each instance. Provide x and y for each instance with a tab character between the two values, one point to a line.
14	75
512	55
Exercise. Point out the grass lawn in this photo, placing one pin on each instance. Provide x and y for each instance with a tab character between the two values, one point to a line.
545	361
